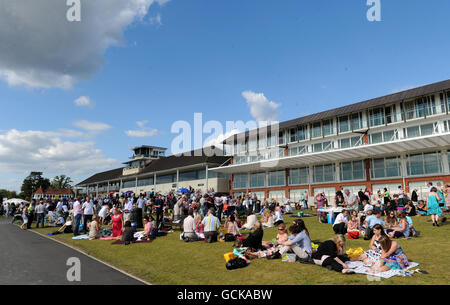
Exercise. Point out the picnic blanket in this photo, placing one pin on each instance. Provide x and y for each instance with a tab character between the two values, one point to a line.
119	242
85	236
304	215
107	238
359	268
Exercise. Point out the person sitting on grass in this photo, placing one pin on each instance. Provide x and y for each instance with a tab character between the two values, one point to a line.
391	221
128	233
251	220
278	218
212	224
254	239
392	257
370	222
422	208
402	229
94	228
340	223
232	227
331	255
372	255
267	218
189	227
148	227
299	241
352	227
410	209
282	235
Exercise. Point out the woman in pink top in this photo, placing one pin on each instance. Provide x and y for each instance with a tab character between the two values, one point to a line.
148	226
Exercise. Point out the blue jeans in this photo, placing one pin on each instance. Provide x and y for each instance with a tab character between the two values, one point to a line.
39	219
77	224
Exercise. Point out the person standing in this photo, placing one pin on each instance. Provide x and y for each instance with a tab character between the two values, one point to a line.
433	208
77	213
88	212
40	214
159	205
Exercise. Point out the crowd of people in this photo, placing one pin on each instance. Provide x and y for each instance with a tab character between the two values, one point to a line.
201	217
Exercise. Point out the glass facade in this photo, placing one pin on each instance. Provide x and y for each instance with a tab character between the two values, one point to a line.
128	184
352	171
343	124
166	179
277	178
424	163
298	176
146	181
258	180
385	167
324	173
240	181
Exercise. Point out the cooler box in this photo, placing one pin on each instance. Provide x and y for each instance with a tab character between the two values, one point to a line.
331	218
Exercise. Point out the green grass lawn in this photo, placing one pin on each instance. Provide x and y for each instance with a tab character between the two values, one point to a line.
168	260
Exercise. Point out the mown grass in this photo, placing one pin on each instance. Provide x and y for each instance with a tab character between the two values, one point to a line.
170	261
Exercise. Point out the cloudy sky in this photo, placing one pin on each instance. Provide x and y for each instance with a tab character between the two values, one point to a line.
76	96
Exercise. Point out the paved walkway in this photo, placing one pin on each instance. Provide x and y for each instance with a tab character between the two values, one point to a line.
28	258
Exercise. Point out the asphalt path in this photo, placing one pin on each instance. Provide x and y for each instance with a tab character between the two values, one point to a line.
30	259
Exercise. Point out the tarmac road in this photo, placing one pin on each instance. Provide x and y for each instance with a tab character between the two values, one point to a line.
30	259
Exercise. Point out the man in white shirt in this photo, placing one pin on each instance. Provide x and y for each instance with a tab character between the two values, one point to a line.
88	211
189	227
350	200
340	224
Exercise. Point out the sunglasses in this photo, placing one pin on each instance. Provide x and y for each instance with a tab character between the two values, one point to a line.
280	229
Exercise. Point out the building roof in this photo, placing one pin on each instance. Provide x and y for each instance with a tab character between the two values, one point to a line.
376	102
54	192
149	146
164	163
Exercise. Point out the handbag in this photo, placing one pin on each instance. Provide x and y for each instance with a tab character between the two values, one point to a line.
230	237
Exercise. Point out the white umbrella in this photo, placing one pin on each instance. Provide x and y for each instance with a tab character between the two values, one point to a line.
16	201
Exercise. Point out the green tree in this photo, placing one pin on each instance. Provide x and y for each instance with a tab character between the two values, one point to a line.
32	182
62	182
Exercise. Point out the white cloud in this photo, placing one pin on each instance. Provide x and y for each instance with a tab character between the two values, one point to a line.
83	101
142	123
31	150
40	48
260	107
155	20
141	133
92	127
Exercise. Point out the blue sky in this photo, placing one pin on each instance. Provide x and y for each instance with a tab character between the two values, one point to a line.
201	55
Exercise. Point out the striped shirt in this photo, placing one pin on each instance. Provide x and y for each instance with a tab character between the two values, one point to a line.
211	223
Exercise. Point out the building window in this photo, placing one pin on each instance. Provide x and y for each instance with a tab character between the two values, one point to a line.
385	167
187	176
144	182
128	184
376	117
257	180
420	131
323	146
323	173
328	127
385	136
424	163
281	137
293	135
356	121
277	178
352	170
316	130
166	179
298	150
298	176
240	181
344	124
302	133
271	140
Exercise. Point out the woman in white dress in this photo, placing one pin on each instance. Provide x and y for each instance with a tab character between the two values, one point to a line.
25	218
